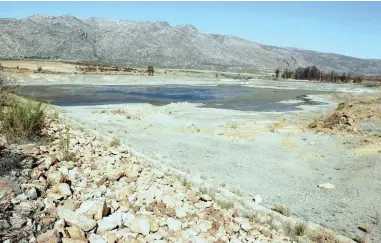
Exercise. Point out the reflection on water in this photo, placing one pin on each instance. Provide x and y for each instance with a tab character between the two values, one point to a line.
227	97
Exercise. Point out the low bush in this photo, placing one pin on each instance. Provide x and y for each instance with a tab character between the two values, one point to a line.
22	119
283	209
115	143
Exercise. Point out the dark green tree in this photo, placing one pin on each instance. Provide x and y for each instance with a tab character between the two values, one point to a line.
277	74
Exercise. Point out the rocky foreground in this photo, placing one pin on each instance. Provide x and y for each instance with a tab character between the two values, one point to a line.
90	192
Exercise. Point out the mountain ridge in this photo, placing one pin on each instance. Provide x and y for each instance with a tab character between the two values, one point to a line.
160	44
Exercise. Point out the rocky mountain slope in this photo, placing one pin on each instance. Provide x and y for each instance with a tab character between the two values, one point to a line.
157	43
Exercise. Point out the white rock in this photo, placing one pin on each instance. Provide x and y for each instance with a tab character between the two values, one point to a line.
181	212
109	223
59	225
95	208
236	241
49	204
47	161
205	226
173	224
172	202
205	197
203	205
31	193
73	218
64	189
55	177
127	218
158	173
21	198
125	232
141	224
327	186
257	199
246	226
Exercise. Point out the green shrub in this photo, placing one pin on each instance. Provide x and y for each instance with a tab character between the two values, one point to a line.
22	120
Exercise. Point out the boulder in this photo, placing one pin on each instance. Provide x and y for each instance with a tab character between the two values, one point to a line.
55	177
51	236
141	224
64	190
74	218
76	233
95	208
173	224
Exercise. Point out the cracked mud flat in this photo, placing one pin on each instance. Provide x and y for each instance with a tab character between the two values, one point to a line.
256	153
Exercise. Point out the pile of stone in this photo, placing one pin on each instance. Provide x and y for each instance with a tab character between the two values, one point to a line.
104	194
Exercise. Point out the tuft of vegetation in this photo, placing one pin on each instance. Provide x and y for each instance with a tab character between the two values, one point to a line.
65	147
22	119
234	126
186	183
340	107
115	143
372	84
55	115
225	204
323	236
366	228
283	209
300	229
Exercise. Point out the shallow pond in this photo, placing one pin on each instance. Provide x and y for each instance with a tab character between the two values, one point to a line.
226	96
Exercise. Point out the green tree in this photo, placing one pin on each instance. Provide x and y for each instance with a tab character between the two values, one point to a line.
277	74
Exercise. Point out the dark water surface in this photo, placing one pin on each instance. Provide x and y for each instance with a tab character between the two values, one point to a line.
226	96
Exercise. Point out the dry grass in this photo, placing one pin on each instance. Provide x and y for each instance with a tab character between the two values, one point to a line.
366	228
283	209
234	126
55	115
323	237
300	229
372	84
115	143
225	204
186	183
22	119
65	147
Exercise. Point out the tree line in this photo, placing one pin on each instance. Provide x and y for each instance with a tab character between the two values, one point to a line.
314	73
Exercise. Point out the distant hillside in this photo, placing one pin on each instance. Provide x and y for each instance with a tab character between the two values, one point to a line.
159	44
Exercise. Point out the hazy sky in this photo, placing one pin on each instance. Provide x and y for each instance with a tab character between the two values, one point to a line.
349	28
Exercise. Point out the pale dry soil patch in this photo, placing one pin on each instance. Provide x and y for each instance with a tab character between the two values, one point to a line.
270	154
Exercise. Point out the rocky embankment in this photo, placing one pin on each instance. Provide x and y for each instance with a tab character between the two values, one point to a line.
97	193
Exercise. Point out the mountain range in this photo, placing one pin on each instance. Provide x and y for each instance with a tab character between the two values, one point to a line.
158	43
